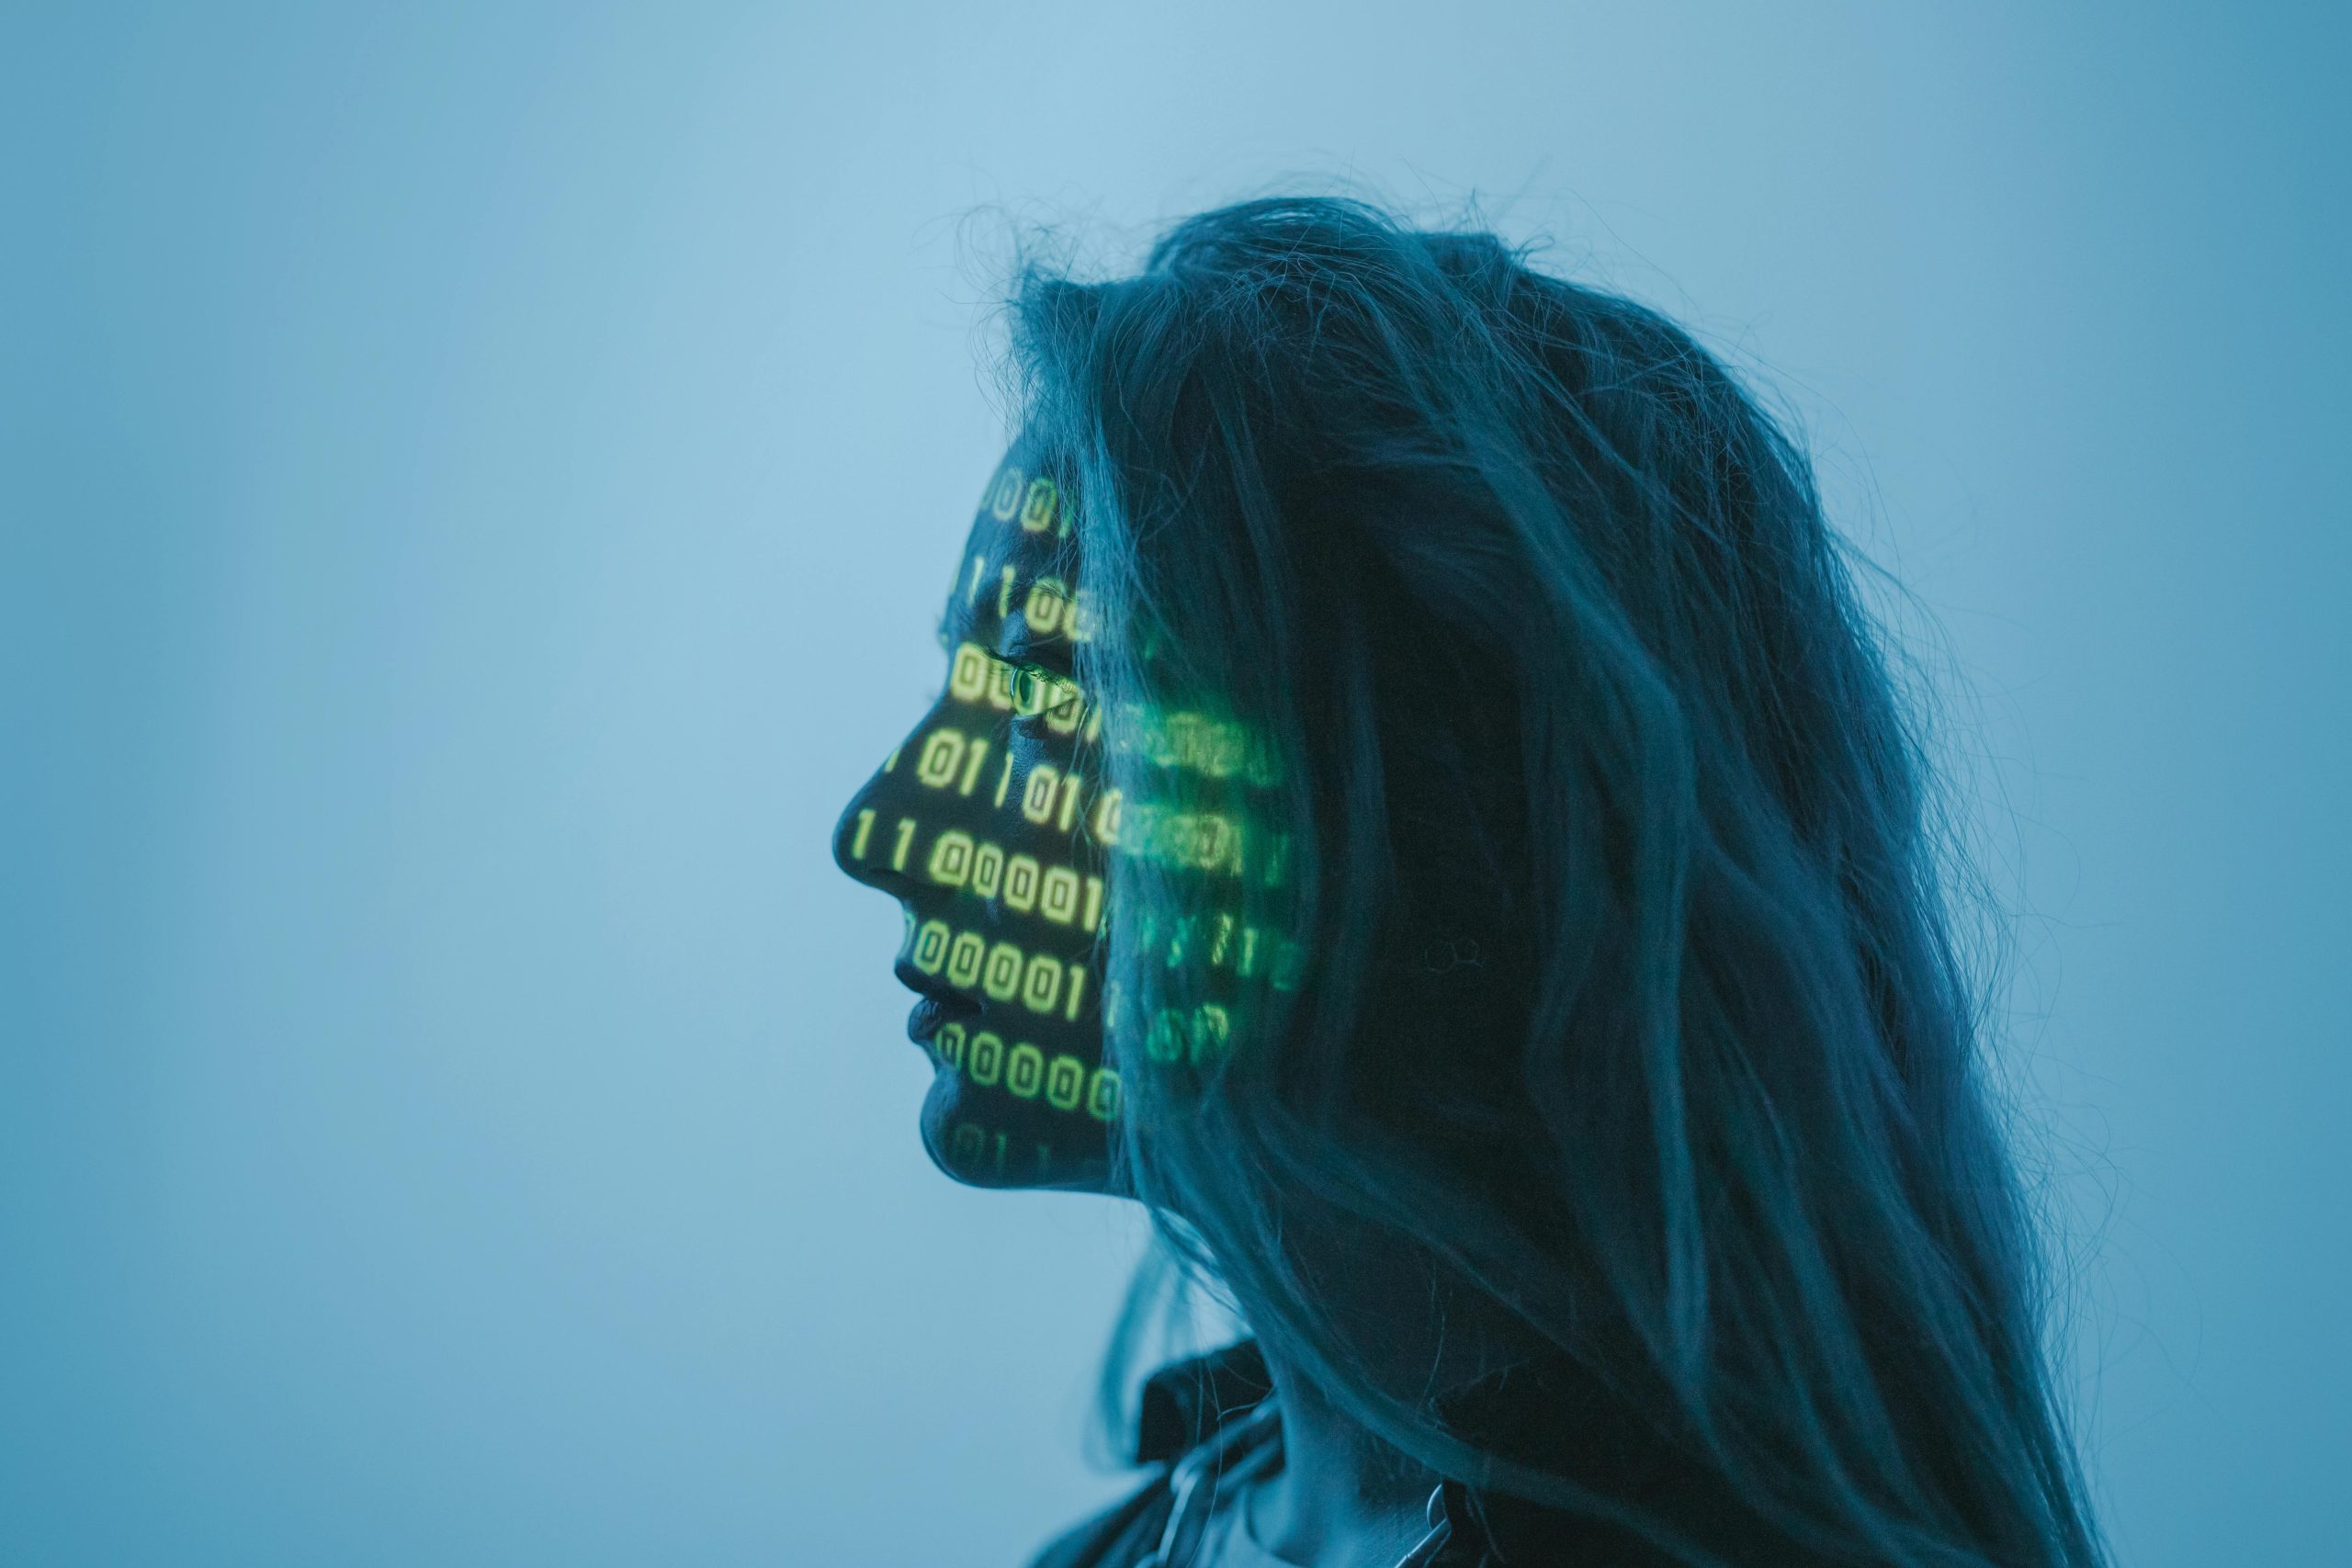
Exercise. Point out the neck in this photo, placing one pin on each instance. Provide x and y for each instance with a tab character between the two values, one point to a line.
1342	1499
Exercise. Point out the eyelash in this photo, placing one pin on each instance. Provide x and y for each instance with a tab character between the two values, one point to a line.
1038	673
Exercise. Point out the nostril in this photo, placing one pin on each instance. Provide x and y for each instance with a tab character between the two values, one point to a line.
870	846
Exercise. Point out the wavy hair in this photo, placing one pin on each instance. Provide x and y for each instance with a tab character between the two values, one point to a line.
1629	1034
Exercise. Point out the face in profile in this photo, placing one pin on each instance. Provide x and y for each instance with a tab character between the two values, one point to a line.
988	825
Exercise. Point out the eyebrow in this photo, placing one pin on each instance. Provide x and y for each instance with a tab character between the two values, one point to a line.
1018	645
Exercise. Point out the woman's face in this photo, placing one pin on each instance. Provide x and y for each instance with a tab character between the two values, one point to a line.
986	824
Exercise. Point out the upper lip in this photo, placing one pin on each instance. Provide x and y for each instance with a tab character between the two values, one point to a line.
930	986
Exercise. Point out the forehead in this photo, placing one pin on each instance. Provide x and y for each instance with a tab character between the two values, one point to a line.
1020	544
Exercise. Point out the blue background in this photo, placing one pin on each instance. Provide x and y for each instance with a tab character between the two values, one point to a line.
474	487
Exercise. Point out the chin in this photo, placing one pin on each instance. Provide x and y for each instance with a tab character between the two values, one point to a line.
985	1140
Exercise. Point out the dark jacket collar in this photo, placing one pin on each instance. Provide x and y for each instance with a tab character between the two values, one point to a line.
1517	1415
1185	1401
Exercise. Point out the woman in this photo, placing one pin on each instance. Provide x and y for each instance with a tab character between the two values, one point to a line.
1417	805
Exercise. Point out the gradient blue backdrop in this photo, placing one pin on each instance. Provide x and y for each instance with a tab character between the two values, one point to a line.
474	481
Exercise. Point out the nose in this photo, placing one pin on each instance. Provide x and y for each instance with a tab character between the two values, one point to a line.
863	838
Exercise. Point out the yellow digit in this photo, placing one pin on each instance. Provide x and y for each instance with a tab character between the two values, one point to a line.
951	858
931	946
1068	707
1037	794
1064	1082
1041	988
963	959
1007	500
1021	883
1024	1071
985	1059
1043	609
1037	508
941	754
1058	899
1002	978
973	757
1103	1094
988	866
967	676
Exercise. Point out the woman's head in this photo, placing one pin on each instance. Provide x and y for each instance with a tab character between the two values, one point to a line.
1471	647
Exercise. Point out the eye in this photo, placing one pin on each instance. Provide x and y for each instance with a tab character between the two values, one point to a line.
1039	692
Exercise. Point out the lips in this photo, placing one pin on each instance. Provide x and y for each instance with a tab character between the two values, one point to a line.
939	1004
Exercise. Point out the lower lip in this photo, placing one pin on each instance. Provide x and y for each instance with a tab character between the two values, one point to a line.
924	1020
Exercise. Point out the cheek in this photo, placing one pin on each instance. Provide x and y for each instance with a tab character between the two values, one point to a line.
1034	859
1024	1096
993	824
1050	792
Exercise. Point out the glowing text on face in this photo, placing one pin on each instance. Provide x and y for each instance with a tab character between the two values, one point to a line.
982	822
995	824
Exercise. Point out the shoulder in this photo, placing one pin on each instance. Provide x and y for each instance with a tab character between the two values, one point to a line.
1185	1404
1123	1534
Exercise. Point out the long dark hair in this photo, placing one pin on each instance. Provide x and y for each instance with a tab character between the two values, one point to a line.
1609	995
